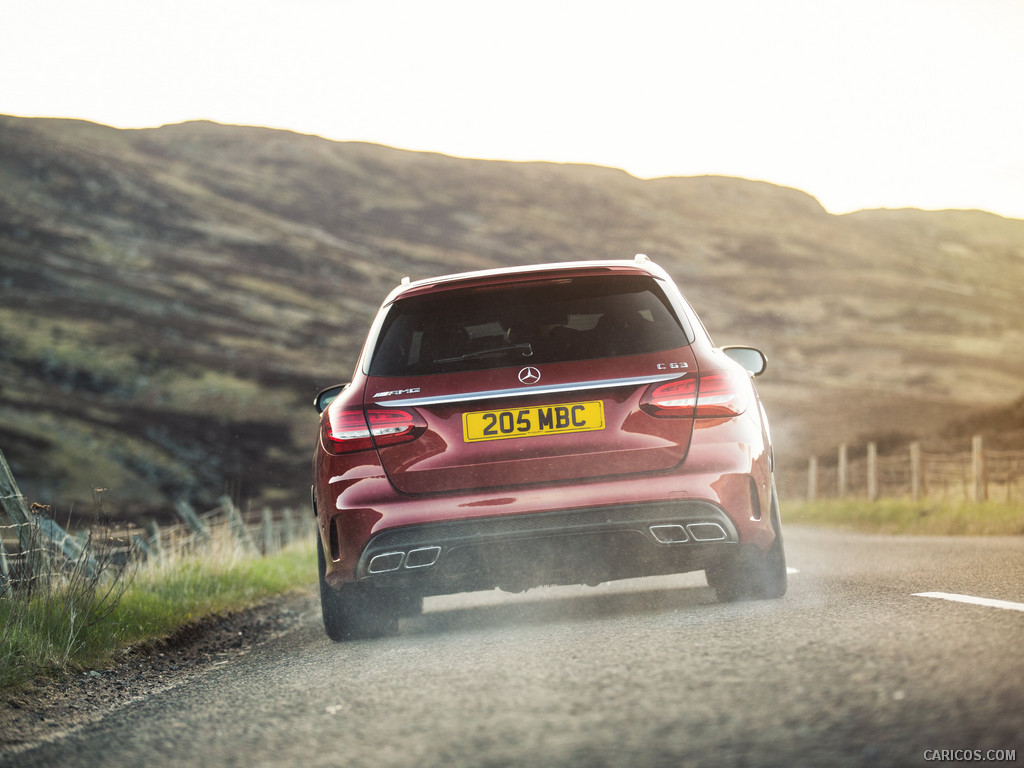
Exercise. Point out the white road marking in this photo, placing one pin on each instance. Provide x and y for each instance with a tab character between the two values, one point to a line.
792	570
987	602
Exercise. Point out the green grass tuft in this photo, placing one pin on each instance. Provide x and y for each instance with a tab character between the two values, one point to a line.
925	517
80	622
169	594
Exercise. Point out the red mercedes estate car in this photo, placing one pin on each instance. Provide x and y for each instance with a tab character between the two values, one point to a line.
554	424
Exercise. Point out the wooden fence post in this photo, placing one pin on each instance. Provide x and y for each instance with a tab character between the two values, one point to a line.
299	525
12	504
1011	479
186	513
287	527
916	474
5	569
140	547
812	478
269	539
155	545
37	533
842	471
872	472
238	525
978	469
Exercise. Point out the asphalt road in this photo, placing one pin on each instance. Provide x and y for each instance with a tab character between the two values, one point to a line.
851	668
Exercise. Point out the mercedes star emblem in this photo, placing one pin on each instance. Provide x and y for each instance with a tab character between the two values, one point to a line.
529	375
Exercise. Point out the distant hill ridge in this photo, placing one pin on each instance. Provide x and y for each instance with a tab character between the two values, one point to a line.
173	297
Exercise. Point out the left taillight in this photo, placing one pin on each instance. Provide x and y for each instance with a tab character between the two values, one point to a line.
711	395
348	430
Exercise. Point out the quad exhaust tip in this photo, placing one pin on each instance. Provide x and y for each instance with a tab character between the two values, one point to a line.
669	534
707	532
421	557
673	533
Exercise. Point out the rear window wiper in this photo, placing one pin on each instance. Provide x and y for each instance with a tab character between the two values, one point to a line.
525	348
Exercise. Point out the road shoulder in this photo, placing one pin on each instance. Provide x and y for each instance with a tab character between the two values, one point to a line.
47	708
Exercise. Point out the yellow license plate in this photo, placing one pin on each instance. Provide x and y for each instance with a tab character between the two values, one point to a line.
529	422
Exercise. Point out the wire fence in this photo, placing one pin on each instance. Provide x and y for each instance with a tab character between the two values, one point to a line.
36	551
977	474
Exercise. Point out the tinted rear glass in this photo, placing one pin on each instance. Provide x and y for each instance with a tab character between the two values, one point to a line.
558	321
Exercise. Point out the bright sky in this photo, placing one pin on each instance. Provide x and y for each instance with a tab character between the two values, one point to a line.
862	103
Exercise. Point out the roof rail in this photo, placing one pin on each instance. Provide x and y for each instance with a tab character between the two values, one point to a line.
405	280
641	258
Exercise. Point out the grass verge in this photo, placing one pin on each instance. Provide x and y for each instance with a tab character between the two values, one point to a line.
903	516
81	621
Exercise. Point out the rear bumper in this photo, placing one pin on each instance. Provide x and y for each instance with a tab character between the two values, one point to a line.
529	538
580	546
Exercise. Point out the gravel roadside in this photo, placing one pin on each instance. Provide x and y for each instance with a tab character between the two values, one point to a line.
47	708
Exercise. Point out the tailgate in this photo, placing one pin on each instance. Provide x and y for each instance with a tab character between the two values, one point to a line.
488	429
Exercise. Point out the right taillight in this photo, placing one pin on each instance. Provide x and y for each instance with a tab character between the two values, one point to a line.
348	430
712	395
676	398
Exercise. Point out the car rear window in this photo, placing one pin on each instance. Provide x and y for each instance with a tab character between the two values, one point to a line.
555	321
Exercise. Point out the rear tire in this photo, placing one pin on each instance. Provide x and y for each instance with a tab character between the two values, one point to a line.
750	574
353	611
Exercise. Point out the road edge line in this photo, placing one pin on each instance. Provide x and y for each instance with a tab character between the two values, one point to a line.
971	600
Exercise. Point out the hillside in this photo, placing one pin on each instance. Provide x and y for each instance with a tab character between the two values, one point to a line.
173	297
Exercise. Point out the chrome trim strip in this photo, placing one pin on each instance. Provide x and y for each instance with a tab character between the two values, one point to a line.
547	389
